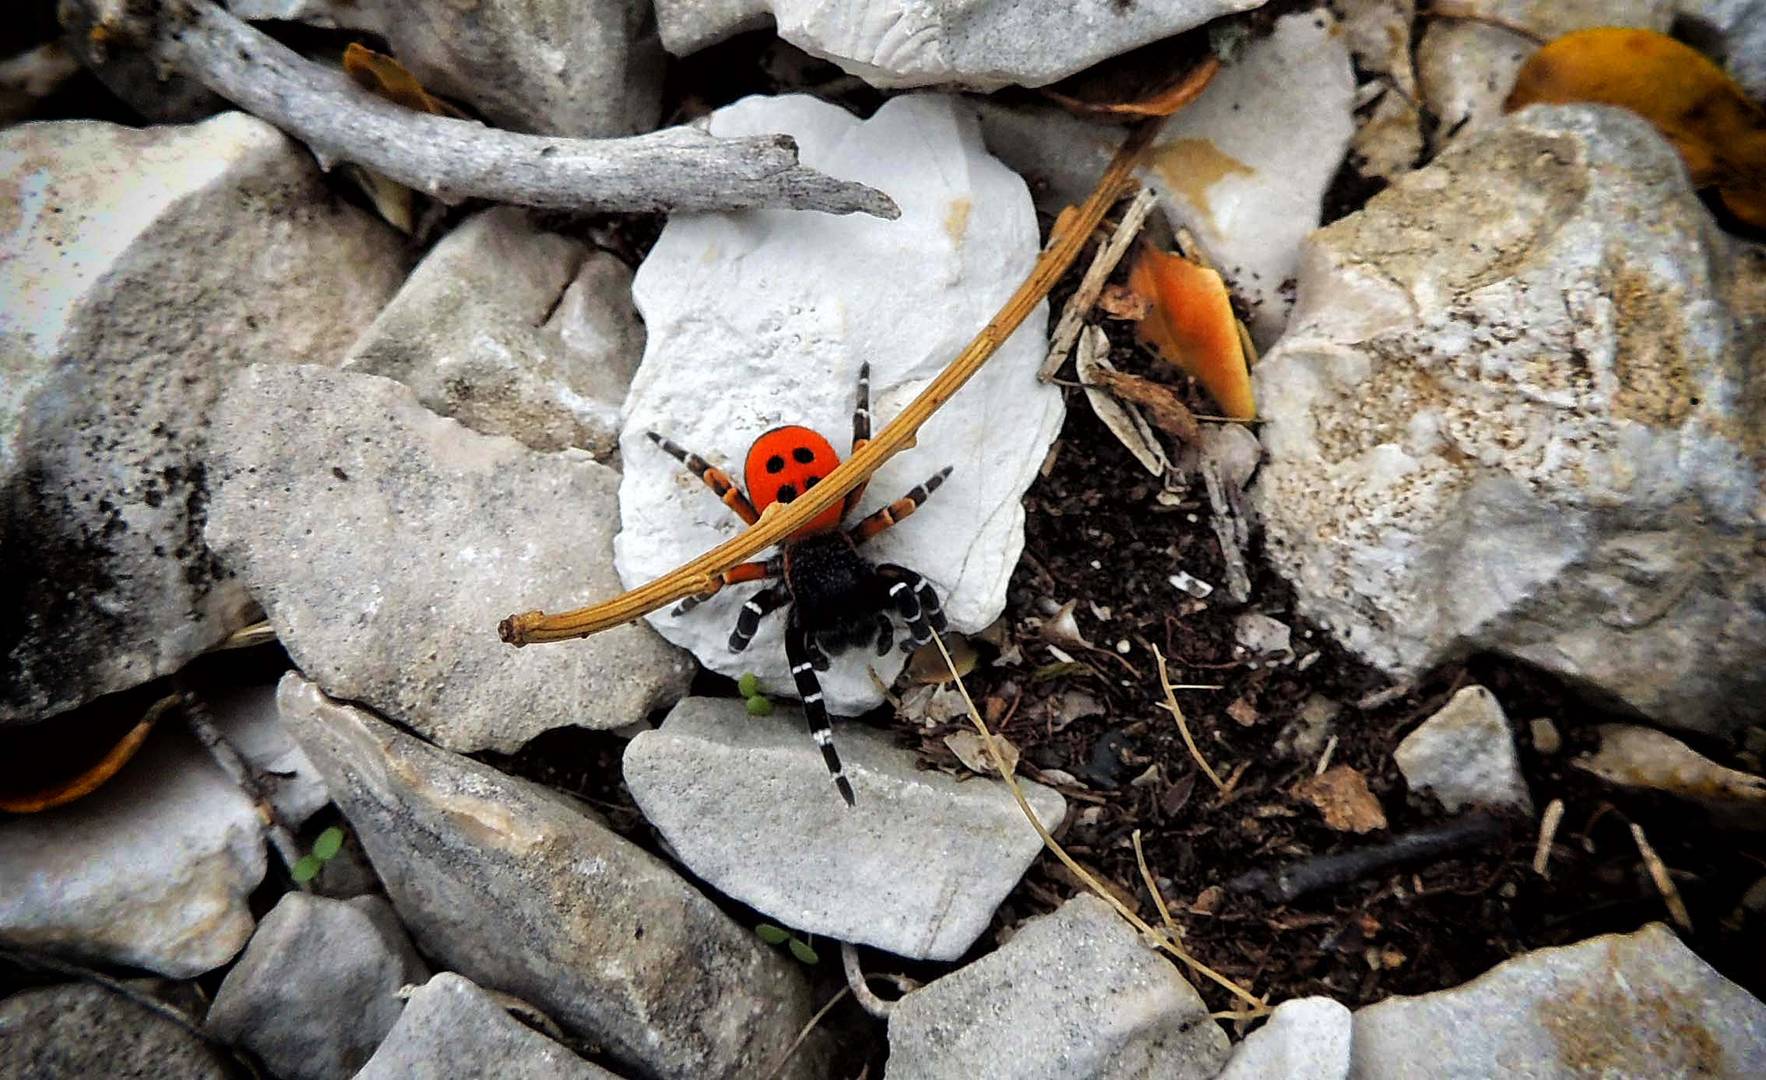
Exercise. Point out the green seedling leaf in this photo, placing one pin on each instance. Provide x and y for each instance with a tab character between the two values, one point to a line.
803	952
305	869
748	685
759	706
329	843
771	934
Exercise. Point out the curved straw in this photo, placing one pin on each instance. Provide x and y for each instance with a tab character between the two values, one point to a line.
782	519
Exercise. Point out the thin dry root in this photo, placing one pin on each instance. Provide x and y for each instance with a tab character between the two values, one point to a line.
1183	725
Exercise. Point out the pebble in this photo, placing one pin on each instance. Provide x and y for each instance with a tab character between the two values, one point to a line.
317	987
153	870
1639	1004
1509	382
1464	755
133	281
80	1030
339	500
514	887
513	330
1304	1039
1073	995
452	1030
726	790
762	318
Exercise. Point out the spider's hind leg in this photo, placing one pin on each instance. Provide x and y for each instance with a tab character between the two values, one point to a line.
799	652
916	601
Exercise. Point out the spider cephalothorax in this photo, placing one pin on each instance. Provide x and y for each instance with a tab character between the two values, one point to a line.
838	598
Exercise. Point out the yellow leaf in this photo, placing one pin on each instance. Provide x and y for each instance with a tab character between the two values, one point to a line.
1719	133
381	74
1190	322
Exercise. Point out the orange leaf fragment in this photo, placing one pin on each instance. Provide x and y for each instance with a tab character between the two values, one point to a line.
1190	322
1341	795
382	75
1719	133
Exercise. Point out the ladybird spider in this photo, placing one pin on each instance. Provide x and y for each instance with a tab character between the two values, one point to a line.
838	599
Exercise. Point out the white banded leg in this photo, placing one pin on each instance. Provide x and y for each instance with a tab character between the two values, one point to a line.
754	609
799	652
916	601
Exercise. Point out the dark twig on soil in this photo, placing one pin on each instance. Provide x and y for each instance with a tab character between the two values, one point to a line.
669	170
1295	880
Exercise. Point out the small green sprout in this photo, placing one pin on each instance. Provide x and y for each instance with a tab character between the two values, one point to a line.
775	935
325	848
749	687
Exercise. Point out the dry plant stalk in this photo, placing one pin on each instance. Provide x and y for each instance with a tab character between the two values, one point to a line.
1548	830
1658	872
1183	725
1091	286
779	520
1168	942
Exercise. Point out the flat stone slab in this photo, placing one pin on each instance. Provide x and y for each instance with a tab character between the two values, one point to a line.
746	804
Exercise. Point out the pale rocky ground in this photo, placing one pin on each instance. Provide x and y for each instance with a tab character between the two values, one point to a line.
1511	407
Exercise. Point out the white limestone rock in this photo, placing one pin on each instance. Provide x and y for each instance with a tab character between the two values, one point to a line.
761	318
513	886
386	543
724	788
1511	413
1464	755
153	870
1074	995
513	330
138	269
1637	1004
317	987
1304	1039
452	1030
1244	167
977	44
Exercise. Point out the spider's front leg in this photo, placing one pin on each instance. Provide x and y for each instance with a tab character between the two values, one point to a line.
801	652
916	601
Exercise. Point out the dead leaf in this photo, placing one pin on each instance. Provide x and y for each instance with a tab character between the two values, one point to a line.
1160	403
1341	794
1121	302
1243	712
972	752
1153	80
1718	131
927	667
381	74
1124	421
1191	324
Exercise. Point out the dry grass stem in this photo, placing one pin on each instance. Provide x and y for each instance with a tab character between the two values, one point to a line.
779	520
1183	725
1324	759
1140	858
785	1058
1658	872
1079	305
1548	830
1258	1007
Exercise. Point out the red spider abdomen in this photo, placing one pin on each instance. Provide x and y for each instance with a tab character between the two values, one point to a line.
786	462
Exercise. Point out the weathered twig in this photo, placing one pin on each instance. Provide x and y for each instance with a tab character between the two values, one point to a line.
781	519
673	169
1658	872
1079	305
855	981
1328	871
1548	830
197	719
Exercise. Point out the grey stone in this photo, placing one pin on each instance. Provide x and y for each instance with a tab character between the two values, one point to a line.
1636	1004
317	987
1464	755
1740	30
138	269
514	887
1074	994
152	870
1304	1039
514	331
554	67
978	44
452	1030
386	542
1511	414
757	319
247	716
746	804
79	1030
